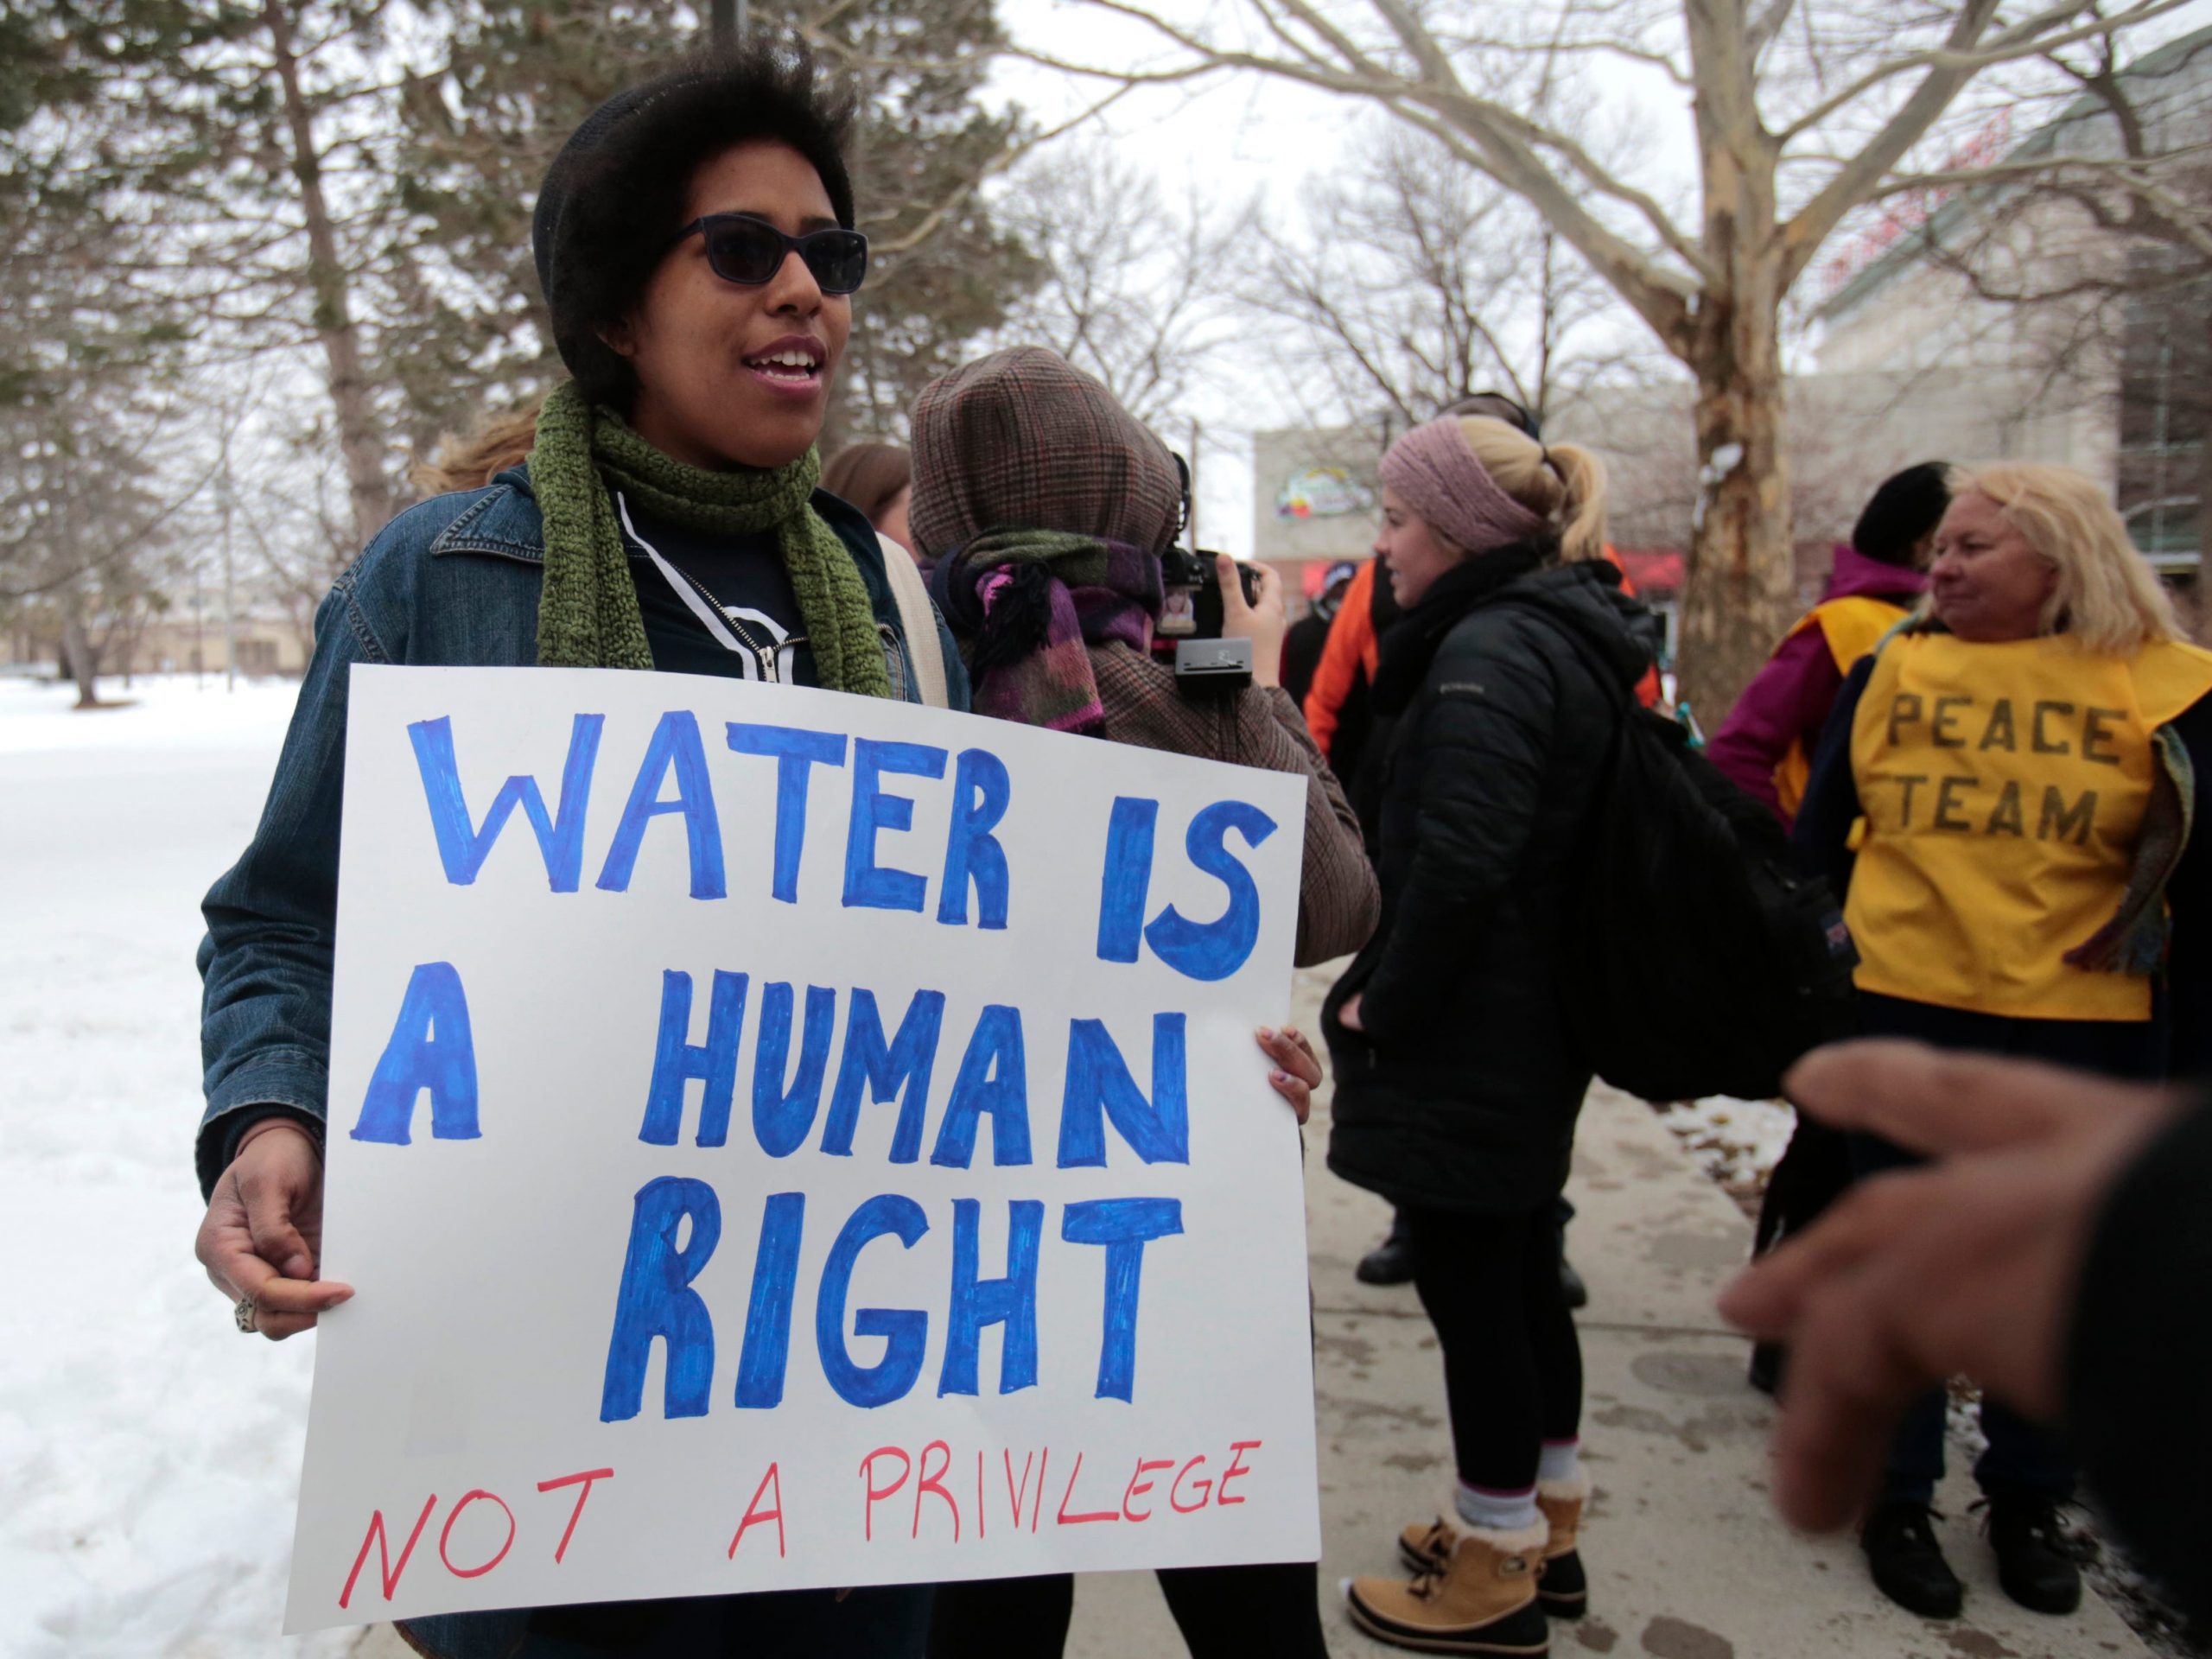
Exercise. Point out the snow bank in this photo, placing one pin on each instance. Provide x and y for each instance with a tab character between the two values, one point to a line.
1738	1142
151	1451
163	712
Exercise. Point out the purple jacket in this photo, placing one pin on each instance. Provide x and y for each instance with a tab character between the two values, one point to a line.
1787	701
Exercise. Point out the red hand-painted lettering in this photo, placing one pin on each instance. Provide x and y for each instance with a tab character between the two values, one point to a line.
876	1494
1237	1449
375	1535
1138	1484
587	1479
930	1482
446	1535
1018	1493
1204	1484
1067	1520
755	1513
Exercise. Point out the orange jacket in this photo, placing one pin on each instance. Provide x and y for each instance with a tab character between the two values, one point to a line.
1350	650
1647	689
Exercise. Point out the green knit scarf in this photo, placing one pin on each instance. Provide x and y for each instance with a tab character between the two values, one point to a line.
588	614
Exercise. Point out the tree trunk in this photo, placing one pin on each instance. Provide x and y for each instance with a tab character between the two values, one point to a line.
358	439
2198	611
1742	578
81	661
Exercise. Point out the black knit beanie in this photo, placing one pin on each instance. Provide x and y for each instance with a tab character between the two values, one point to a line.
1904	509
555	195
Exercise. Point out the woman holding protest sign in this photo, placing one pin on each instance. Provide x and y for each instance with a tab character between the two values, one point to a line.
694	245
2004	793
1044	508
694	240
1459	1075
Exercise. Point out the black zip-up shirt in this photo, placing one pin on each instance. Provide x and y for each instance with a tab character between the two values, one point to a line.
743	574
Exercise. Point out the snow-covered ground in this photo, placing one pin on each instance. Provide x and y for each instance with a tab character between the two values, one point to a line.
149	1453
1738	1142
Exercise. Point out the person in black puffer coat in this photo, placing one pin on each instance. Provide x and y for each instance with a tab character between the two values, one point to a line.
1458	1078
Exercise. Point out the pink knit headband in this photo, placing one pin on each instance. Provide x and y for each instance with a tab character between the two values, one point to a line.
1434	472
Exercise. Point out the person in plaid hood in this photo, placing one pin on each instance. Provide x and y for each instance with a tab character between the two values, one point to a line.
1041	508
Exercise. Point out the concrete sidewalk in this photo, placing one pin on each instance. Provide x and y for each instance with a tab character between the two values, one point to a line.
1686	1560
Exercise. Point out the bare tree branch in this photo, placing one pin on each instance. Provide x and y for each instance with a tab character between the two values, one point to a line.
1811	225
1007	157
2026	39
1766	26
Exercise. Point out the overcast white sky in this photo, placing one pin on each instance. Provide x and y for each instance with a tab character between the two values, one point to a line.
1235	137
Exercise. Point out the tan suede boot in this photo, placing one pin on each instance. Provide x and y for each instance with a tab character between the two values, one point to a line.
1480	1599
1426	1549
1563	1590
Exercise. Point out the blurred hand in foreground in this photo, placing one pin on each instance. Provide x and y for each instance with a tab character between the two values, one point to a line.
1967	1266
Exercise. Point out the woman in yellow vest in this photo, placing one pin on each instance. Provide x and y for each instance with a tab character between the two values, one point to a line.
2003	794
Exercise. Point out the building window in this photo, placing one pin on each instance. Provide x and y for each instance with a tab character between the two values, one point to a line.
2165	393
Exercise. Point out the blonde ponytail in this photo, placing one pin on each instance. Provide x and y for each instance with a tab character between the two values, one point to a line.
1566	483
469	460
1582	504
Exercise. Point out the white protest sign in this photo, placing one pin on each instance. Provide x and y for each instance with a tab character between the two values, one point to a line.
780	1139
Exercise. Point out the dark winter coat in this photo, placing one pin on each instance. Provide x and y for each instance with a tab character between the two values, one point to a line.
1301	652
1463	1091
2140	1357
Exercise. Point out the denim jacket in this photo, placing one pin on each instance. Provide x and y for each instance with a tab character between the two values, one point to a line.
453	582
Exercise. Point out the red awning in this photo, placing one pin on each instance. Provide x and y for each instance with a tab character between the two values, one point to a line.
1656	571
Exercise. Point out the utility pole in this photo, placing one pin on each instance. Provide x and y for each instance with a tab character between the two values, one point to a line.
1197	438
729	21
230	607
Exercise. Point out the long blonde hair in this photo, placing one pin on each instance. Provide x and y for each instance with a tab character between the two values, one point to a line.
469	460
2107	598
1565	483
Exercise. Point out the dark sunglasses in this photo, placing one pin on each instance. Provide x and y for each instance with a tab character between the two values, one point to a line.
749	251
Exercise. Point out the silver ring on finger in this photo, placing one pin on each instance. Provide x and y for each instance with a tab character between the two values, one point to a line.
246	1316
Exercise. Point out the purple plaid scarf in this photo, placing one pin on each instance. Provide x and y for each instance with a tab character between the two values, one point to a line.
1026	604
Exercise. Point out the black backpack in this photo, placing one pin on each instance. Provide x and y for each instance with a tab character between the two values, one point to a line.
1703	962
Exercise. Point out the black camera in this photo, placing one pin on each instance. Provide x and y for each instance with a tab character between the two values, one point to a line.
1191	586
1188	629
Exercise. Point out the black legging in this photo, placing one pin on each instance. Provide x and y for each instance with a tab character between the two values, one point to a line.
1512	1362
1225	1612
